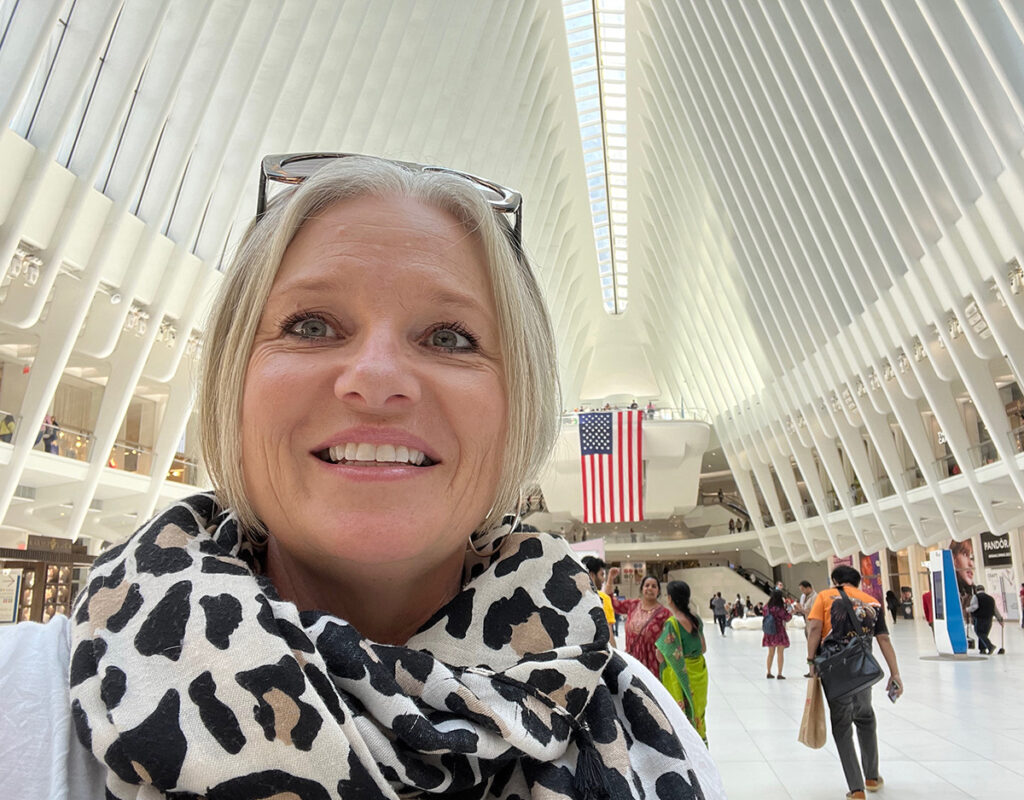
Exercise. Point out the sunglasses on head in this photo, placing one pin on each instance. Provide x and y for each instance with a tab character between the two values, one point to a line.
293	169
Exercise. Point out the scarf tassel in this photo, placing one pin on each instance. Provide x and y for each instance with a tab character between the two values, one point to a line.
589	781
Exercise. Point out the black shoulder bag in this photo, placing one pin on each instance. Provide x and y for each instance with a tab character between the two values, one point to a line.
849	667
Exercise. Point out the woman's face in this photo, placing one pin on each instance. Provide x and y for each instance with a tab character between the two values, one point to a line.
649	589
963	563
374	409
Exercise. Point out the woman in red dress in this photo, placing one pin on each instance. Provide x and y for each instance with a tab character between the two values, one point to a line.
645	618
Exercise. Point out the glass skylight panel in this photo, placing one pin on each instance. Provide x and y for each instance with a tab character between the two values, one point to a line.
597	53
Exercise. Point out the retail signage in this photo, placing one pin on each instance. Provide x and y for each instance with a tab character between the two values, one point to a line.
995	550
10	591
871	575
950	630
999	581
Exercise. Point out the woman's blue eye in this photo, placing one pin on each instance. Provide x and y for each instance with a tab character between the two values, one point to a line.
448	339
311	328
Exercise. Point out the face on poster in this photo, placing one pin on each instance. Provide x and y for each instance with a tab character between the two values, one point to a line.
963	563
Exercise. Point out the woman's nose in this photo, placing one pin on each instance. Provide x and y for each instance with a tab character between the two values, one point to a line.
377	373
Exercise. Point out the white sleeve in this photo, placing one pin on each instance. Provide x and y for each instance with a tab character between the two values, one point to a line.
696	751
40	755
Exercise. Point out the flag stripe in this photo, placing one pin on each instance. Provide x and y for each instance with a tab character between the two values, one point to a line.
586	495
639	465
620	507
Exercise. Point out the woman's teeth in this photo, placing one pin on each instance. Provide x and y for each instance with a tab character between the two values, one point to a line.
363	453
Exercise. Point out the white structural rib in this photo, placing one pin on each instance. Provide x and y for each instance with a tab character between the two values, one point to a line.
824	248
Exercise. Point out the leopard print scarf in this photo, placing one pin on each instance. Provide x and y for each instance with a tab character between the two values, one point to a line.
190	678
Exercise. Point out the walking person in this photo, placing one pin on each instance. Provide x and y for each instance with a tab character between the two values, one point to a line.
718	608
597	568
802	608
892	603
829	623
775	637
681	647
983	607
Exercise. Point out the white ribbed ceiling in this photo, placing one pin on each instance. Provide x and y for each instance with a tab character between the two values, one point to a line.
825	198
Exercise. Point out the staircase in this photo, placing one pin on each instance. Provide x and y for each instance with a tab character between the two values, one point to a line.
705	581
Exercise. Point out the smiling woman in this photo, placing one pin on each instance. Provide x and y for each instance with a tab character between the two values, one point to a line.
353	612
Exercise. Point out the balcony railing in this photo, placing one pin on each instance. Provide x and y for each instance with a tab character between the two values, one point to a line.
184	470
657	415
131	457
884	487
984	453
1017	439
9	424
913	477
946	467
66	441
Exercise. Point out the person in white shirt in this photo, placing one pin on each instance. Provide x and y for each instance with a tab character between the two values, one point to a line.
807	596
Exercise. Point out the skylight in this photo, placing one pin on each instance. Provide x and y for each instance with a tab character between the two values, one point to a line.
596	31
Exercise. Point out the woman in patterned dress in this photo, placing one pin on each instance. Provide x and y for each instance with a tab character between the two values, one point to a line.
776	642
684	671
645	617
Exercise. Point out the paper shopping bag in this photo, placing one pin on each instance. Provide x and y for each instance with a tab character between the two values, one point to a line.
812	726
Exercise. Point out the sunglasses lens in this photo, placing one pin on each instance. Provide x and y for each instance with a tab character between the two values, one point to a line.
296	170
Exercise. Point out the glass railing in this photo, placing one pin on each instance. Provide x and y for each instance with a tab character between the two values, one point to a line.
656	415
67	441
946	467
984	453
913	477
9	424
131	457
884	487
184	470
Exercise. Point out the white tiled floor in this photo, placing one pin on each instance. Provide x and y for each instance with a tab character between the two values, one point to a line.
957	732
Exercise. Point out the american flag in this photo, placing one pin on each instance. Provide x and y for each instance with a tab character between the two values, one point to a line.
611	452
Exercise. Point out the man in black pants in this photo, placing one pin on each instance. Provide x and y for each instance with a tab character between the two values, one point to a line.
829	621
983	607
718	608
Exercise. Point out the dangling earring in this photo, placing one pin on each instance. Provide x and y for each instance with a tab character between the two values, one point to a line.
515	523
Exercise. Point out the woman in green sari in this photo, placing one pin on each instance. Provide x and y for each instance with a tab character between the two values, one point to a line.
681	647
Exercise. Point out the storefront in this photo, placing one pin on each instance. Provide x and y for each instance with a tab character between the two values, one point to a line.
42	580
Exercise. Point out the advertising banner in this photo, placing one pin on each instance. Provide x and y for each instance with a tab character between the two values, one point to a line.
871	576
836	561
10	591
999	583
998	562
995	550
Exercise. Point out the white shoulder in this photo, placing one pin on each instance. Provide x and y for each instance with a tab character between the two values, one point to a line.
707	772
40	755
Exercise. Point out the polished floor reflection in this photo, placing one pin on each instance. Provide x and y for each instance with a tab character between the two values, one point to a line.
958	732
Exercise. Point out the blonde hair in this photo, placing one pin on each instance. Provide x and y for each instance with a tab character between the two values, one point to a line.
527	341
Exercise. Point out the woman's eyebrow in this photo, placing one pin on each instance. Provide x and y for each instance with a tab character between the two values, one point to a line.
448	297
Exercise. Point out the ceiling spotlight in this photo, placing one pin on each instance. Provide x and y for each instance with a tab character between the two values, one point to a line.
115	298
